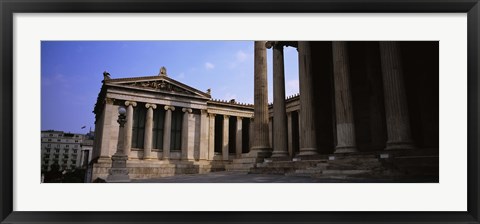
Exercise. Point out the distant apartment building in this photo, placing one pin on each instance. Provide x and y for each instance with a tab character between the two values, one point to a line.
70	151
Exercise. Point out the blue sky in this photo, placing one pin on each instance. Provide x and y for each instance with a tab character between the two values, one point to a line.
72	73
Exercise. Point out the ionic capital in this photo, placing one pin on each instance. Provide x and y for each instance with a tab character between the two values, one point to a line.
172	108
187	110
239	118
226	116
130	103
153	106
211	115
203	112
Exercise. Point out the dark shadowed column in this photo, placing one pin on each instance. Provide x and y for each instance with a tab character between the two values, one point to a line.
308	144
396	109
261	147
280	137
343	99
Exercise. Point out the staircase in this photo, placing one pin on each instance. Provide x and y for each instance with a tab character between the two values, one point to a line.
242	164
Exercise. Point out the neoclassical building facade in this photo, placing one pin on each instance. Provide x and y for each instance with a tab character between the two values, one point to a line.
379	99
171	128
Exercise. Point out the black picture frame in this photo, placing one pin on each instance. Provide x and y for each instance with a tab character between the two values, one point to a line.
9	7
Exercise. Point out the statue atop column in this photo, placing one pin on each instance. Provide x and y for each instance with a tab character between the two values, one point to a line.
163	71
106	75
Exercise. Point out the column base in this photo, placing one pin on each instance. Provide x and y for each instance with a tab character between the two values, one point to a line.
345	149
118	175
308	151
399	146
277	154
259	152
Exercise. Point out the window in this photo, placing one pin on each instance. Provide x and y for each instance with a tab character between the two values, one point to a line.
74	151
57	150
48	150
49	139
138	129
76	140
176	137
50	135
157	132
67	146
59	140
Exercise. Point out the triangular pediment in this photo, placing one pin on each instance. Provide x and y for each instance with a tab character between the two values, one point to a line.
158	83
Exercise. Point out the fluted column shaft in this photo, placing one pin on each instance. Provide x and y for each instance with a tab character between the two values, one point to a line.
225	137
127	144
343	99
187	144
396	108
308	144
167	131
211	136
238	138
147	145
280	138
203	135
261	146
290	133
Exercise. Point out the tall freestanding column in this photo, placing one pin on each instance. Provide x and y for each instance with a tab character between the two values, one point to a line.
147	145
396	109
127	144
119	171
290	133
280	138
225	145
211	136
238	138
343	99
308	144
261	147
187	142
203	155
167	131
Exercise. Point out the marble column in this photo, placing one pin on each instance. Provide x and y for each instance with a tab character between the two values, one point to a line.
147	145
308	144
251	133
396	108
238	138
270	132
290	133
127	144
211	136
343	99
187	146
167	131
203	155
280	138
225	145
261	147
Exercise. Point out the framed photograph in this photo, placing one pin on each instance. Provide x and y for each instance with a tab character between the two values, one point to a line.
245	112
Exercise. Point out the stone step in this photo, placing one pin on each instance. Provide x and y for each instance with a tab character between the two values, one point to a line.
238	167
247	160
